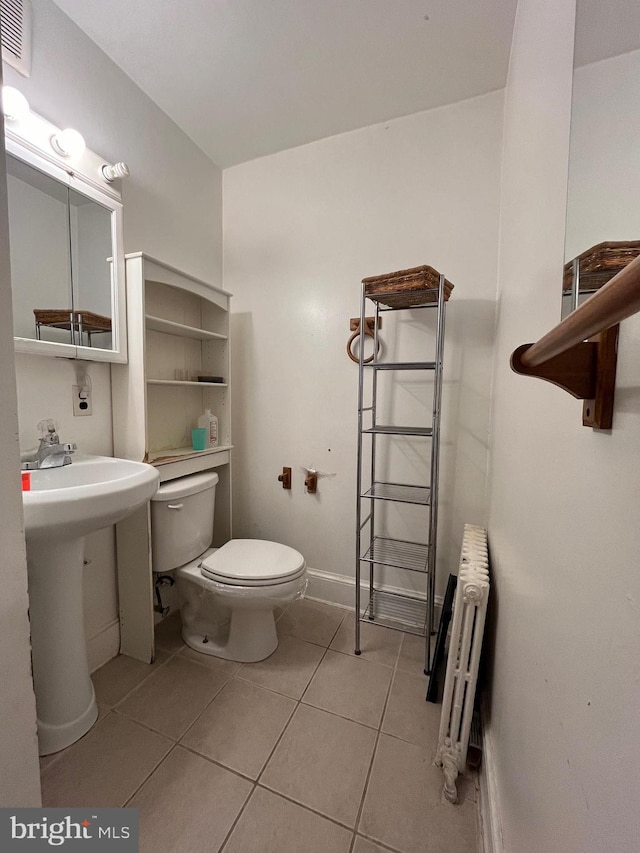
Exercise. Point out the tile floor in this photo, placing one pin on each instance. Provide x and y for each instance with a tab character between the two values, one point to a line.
311	750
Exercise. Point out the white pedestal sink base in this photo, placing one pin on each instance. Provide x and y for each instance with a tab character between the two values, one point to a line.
65	699
53	738
62	506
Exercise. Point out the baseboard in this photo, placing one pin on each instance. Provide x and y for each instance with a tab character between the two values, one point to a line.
323	586
489	805
330	588
339	590
104	645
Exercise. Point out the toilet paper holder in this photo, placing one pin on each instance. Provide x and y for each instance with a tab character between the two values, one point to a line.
285	478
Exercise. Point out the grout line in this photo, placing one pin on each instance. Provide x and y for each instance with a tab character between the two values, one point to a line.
62	752
384	847
315	671
182	656
304	806
317	643
151	673
340	716
275	746
246	680
282	733
206	707
149	775
235	822
374	753
227	678
360	658
217	763
400	645
310	642
150	728
145	726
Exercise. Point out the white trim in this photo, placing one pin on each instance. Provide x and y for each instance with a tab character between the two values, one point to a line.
151	273
104	645
28	143
339	589
489	803
330	588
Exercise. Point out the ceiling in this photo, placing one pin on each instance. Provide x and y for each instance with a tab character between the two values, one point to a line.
245	78
606	28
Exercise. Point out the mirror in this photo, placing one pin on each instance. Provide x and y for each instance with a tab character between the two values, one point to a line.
62	291
38	216
67	261
603	217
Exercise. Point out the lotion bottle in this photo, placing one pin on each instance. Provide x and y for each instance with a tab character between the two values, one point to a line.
210	423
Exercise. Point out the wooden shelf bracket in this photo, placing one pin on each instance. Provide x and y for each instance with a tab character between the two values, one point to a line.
580	353
587	371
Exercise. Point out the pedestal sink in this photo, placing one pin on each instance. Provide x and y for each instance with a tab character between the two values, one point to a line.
64	505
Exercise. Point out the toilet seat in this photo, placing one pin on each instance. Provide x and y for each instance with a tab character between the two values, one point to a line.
253	562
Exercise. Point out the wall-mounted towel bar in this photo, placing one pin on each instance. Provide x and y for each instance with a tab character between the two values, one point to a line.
586	368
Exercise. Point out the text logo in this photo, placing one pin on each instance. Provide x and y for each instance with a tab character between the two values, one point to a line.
32	829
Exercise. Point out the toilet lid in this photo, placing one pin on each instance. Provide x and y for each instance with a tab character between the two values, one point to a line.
253	561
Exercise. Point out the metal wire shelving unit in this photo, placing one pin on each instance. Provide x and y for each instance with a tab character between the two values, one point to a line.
422	287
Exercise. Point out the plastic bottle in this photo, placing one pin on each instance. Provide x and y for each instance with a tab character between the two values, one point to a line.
210	423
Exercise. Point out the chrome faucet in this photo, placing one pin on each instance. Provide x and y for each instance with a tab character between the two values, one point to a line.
51	453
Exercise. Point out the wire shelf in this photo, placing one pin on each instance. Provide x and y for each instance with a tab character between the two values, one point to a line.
401	365
399	612
398	553
399	430
405	493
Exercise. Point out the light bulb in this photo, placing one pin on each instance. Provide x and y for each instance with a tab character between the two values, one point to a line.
118	170
68	142
14	104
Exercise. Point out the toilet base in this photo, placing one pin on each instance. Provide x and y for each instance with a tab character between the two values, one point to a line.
232	622
251	637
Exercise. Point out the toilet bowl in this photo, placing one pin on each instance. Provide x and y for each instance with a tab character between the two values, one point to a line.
227	595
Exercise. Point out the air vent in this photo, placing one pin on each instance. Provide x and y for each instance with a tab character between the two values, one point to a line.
16	34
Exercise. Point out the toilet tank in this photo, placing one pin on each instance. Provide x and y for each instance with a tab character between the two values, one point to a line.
182	520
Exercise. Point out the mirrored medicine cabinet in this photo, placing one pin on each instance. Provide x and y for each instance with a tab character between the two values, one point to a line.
603	219
67	257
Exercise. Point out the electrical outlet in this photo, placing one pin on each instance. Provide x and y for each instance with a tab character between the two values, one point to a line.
82	401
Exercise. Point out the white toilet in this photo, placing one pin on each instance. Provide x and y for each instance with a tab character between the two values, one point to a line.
227	595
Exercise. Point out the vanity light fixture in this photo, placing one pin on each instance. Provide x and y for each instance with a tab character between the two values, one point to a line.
118	170
14	104
61	148
68	143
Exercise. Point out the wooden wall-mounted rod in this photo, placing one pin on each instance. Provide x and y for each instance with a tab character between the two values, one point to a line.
617	300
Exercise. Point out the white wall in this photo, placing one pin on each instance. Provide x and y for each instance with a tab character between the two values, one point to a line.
563	522
19	769
172	210
301	229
